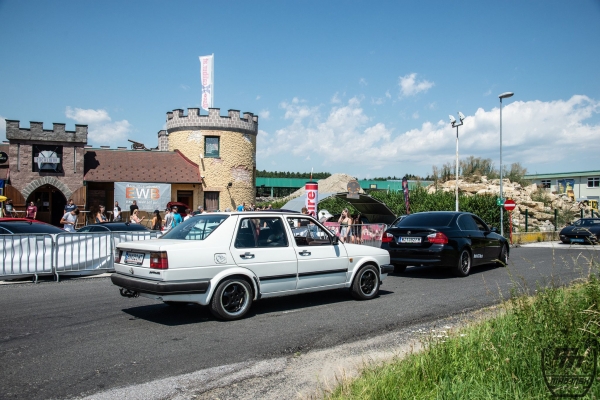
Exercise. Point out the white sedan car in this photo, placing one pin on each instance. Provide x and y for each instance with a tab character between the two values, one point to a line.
228	260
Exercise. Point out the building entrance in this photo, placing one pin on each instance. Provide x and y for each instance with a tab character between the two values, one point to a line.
50	203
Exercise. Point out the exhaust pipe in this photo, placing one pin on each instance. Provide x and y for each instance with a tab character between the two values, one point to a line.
128	293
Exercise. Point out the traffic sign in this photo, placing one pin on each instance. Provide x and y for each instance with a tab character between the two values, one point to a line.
509	205
500	201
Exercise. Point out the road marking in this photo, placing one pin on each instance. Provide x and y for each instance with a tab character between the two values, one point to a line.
562	246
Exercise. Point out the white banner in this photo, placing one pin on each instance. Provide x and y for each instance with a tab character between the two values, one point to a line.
148	196
207	80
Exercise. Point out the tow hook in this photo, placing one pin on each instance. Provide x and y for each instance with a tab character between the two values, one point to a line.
128	293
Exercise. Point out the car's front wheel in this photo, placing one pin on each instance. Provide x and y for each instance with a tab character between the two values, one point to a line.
232	299
463	265
503	257
366	283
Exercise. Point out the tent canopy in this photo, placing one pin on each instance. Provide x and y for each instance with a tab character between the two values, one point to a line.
373	209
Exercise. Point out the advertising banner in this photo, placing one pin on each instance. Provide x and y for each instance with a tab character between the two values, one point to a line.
207	81
312	193
565	185
149	196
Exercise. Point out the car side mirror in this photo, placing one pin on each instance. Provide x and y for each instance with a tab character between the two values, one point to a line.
494	229
335	240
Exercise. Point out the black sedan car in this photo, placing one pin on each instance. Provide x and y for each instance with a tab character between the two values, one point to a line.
113	227
585	230
458	240
19	226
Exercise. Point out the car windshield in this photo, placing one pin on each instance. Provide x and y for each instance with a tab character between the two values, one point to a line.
587	222
30	227
425	219
197	228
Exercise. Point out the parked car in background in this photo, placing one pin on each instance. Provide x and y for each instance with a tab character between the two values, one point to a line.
458	240
585	230
228	260
113	227
23	226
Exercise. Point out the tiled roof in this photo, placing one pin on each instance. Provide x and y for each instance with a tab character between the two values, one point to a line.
102	165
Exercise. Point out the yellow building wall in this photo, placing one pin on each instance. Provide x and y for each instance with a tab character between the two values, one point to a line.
236	164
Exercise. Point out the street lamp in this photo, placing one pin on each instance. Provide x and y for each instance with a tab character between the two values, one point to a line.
504	95
456	125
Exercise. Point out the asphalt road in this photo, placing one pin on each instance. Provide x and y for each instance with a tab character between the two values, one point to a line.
79	336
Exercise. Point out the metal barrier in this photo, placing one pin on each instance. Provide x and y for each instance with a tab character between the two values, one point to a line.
366	234
62	254
26	255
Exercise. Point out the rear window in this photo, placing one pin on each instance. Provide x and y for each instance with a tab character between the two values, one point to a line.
426	219
197	228
26	227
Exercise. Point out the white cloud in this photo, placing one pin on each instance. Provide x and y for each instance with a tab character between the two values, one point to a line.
432	106
388	94
488	92
297	110
362	82
2	128
101	129
336	99
534	133
258	97
263	133
184	87
409	86
415	115
264	114
377	101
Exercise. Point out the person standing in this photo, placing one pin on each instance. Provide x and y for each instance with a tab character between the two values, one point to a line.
168	219
132	207
101	215
70	206
9	208
117	213
176	218
156	221
69	220
31	211
242	207
188	214
345	222
135	219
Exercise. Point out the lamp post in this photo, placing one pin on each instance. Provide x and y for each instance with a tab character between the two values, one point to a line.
456	125
504	95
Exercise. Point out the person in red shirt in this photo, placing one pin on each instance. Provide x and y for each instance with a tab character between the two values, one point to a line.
31	211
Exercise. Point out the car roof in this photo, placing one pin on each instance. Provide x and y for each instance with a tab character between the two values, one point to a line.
22	225
116	226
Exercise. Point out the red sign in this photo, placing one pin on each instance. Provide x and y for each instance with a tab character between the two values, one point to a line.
509	205
312	196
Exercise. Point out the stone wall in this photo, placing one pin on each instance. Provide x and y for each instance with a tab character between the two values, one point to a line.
237	153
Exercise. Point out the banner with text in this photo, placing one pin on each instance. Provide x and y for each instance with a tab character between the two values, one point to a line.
207	80
149	196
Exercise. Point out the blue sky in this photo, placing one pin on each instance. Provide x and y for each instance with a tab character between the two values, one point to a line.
363	88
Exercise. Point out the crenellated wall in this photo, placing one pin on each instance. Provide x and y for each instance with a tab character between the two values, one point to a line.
37	132
236	163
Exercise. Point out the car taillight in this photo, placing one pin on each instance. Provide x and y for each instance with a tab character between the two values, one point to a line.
387	238
118	256
437	238
159	260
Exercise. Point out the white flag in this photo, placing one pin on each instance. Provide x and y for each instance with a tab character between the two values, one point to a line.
207	81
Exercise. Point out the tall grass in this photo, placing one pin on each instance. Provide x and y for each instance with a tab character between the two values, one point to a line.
499	358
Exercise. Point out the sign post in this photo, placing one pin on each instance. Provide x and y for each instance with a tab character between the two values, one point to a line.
509	205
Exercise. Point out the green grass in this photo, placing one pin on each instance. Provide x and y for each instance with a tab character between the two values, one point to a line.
498	358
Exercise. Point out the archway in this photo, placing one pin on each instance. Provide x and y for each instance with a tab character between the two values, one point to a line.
50	202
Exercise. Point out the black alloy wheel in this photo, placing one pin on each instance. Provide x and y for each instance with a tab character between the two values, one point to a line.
366	283
463	266
232	299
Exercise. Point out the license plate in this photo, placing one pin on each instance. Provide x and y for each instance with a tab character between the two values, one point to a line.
410	240
134	258
577	240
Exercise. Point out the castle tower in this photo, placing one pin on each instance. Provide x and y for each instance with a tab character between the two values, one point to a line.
224	148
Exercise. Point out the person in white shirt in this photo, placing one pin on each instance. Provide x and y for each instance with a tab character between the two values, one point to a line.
117	212
168	219
69	220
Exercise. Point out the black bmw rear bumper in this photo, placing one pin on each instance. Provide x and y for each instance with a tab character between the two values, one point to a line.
440	255
160	288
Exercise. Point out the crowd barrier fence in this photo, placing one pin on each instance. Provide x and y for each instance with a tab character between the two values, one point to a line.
32	255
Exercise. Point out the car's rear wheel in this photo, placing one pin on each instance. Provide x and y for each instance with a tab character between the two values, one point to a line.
232	299
399	268
463	265
366	283
503	257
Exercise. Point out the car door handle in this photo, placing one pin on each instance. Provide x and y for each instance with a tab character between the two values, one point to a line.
247	255
304	253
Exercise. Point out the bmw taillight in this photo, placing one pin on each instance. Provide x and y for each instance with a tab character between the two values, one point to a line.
387	238
437	238
159	260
